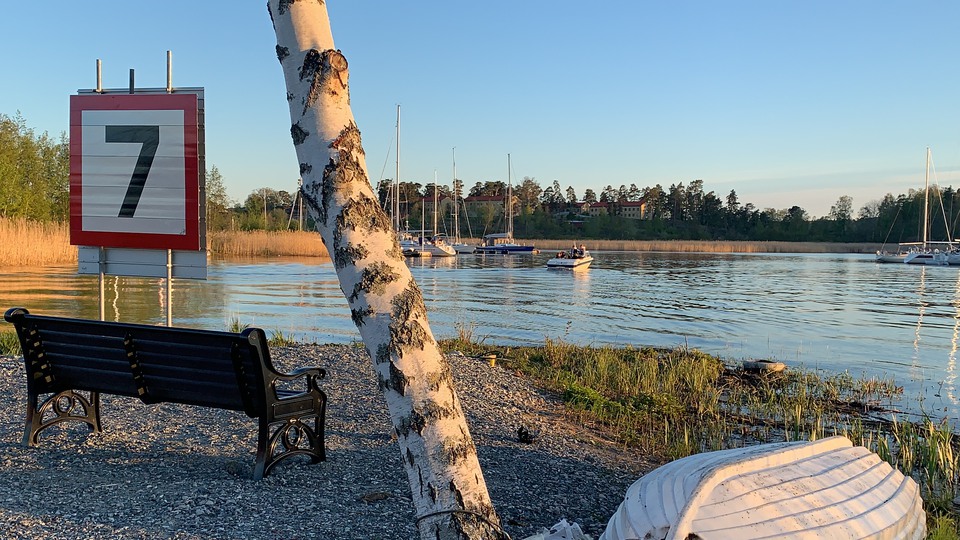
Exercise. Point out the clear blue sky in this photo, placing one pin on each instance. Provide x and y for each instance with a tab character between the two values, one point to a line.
786	102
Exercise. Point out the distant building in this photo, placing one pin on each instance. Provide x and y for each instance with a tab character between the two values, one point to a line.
624	209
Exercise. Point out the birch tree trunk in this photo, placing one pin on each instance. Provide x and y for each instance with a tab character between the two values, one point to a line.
438	454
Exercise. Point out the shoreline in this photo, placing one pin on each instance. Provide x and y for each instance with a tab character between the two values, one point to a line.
167	471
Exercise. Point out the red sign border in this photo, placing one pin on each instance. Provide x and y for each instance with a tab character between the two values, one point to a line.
188	103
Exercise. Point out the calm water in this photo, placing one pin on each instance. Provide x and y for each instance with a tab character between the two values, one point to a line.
835	312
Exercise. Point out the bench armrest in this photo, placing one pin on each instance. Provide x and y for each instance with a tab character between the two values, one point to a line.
310	374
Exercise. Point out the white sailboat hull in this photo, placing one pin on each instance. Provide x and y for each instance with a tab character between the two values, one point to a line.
784	491
927	257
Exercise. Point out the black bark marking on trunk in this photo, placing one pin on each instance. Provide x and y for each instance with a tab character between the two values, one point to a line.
394	252
305	168
457	494
433	492
410	333
289	96
284	5
433	412
455	451
359	316
327	72
398	381
349	141
282	53
327	183
420	485
410	459
364	214
349	254
299	134
343	170
383	354
374	280
444	377
406	330
414	422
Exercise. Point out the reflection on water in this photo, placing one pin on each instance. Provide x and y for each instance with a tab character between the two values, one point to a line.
836	312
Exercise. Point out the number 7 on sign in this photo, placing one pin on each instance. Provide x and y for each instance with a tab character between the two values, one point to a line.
149	137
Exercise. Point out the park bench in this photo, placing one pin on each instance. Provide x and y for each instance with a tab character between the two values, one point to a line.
71	362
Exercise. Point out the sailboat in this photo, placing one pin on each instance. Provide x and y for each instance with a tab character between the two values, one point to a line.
408	245
458	245
925	253
436	246
503	243
411	246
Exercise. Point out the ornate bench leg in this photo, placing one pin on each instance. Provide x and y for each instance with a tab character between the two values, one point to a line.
291	437
67	406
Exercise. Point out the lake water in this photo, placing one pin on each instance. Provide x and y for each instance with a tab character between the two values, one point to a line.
827	311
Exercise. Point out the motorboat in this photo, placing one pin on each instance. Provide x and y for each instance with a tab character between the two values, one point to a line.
571	258
823	489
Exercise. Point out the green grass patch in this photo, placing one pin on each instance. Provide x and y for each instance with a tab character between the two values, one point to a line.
669	403
9	344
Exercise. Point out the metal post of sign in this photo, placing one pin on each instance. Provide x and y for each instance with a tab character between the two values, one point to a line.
169	251
100	284
169	287
100	280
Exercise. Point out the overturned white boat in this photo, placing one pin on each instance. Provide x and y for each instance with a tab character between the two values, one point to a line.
823	489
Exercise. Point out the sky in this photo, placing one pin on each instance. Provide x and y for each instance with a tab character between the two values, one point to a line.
788	103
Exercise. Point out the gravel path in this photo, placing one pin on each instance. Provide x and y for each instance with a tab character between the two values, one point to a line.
176	472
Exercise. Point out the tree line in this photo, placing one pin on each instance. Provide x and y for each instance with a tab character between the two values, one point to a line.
35	168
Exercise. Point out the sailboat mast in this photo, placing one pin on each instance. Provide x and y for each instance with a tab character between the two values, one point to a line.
926	198
396	192
509	200
456	199
436	200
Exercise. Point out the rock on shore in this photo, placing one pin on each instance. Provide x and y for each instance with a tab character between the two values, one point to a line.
167	471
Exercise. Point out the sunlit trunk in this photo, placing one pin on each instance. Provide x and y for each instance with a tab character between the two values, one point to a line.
447	485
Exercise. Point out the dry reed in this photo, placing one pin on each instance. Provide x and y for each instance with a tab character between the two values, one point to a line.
714	246
266	244
31	244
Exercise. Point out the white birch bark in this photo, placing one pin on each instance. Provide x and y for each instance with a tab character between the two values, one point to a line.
438	454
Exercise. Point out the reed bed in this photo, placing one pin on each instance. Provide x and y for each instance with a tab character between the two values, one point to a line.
266	244
701	246
670	403
32	244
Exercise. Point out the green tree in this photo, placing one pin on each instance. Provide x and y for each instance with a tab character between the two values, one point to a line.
219	217
34	172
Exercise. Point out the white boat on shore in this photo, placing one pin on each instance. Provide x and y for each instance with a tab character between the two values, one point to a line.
822	489
571	258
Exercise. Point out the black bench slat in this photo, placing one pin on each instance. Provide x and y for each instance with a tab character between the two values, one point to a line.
92	380
156	364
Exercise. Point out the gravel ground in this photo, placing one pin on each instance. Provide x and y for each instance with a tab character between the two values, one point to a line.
176	472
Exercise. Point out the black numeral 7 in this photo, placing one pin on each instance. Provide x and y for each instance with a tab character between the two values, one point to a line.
150	137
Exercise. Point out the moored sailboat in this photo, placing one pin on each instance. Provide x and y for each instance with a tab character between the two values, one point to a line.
503	243
925	251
